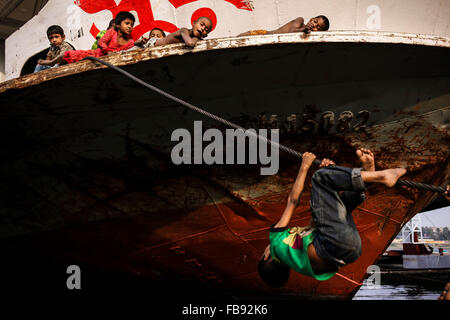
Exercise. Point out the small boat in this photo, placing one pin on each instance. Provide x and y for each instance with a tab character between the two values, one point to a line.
416	254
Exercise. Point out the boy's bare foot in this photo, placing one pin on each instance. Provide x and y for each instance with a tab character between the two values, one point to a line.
387	177
390	176
367	159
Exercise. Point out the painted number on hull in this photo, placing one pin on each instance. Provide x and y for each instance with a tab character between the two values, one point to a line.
346	121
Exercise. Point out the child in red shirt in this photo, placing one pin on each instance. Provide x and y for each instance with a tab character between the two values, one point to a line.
115	39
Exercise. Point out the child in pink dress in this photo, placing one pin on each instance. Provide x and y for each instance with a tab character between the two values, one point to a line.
114	40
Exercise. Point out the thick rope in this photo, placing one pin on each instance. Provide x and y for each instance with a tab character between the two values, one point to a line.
411	184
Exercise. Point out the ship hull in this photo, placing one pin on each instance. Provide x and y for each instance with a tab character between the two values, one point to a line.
88	175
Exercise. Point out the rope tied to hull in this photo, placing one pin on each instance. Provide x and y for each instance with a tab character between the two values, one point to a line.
407	183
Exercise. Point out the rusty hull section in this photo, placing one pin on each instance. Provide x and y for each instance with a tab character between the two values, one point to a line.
157	221
87	176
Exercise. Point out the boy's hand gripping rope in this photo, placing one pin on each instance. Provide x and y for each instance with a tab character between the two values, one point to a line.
412	184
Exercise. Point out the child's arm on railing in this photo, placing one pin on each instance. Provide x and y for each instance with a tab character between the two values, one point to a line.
190	41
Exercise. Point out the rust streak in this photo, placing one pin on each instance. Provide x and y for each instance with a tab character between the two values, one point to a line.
174	241
267	228
223	217
367	227
380	215
348	279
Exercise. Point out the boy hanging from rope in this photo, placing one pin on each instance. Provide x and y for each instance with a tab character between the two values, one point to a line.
331	240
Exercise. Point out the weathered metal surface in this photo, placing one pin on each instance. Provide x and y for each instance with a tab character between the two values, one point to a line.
127	58
88	175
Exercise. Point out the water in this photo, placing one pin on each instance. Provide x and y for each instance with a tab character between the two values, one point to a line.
397	292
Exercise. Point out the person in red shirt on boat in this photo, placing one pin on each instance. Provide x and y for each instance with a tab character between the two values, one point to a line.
115	39
331	240
319	23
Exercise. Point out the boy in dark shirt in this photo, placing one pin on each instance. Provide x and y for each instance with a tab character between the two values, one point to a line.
58	46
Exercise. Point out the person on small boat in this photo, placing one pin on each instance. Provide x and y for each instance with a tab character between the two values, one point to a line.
200	29
331	240
319	23
58	46
112	25
116	39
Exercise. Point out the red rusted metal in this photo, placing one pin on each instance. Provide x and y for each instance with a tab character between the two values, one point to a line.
88	175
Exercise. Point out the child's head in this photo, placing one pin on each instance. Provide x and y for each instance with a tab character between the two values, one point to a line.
124	22
157	33
55	35
319	23
112	24
201	27
273	272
